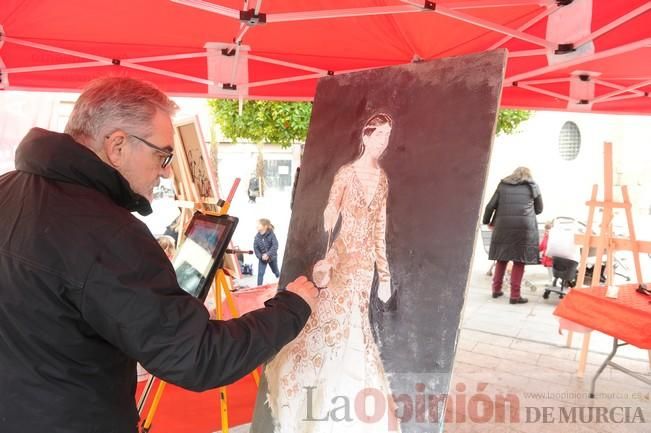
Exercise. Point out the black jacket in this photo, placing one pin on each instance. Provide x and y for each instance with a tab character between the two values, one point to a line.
512	210
266	243
85	291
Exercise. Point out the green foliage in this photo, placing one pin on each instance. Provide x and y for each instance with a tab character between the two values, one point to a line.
285	123
508	120
263	121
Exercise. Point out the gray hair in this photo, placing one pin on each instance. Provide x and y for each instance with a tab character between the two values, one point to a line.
111	103
520	174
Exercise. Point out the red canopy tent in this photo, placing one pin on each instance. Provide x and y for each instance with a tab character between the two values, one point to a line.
581	55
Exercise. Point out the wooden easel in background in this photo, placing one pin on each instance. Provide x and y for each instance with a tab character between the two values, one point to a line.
605	243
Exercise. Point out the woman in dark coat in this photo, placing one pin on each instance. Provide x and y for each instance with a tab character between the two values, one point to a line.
511	212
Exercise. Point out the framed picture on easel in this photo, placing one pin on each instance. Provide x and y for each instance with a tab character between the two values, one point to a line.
195	177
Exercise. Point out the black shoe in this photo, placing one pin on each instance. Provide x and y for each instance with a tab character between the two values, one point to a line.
497	294
519	300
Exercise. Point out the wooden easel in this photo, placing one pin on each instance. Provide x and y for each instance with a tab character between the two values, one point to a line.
223	286
190	199
222	290
605	243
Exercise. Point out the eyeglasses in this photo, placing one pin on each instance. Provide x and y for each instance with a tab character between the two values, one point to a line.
168	155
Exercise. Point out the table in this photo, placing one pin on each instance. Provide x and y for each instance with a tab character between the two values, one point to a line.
627	319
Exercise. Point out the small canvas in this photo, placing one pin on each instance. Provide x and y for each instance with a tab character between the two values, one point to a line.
195	178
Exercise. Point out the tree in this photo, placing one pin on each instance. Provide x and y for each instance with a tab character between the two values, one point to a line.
277	122
285	123
508	120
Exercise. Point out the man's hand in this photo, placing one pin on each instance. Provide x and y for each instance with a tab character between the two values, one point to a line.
265	257
305	289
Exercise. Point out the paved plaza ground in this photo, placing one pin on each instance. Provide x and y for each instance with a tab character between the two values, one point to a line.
517	349
512	351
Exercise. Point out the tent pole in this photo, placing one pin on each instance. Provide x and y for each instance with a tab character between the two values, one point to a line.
287	64
615	86
620	91
545	92
526	25
168	57
548	81
57	67
494	27
622	49
281	80
616	23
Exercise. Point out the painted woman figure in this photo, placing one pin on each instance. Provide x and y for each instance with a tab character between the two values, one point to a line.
321	380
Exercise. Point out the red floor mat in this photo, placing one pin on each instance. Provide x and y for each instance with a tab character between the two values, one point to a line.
182	411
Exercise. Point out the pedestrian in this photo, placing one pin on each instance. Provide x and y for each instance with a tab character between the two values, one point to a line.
254	188
265	246
546	260
511	214
85	289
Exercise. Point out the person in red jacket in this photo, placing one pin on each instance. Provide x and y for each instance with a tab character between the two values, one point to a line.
545	260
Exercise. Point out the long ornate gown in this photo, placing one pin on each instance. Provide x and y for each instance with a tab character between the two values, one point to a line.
335	357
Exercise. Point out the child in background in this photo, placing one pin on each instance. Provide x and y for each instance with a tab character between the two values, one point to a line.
545	260
168	245
265	246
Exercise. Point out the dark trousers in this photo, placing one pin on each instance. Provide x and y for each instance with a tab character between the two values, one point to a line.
262	267
516	277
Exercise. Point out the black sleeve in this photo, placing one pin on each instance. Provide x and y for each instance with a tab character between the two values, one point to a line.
131	298
537	199
490	208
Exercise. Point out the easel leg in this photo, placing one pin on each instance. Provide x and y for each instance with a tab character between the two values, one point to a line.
154	406
223	287
223	405
145	394
226	289
586	240
583	357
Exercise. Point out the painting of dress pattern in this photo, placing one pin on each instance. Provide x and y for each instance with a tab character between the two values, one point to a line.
384	221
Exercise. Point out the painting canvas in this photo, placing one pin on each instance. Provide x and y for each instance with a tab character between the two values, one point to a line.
384	221
194	176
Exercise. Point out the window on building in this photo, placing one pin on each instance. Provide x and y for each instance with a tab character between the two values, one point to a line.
278	173
569	141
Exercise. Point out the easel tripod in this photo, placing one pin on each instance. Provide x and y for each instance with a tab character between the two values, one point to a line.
605	243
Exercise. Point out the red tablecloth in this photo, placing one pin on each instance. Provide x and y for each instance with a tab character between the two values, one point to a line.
627	318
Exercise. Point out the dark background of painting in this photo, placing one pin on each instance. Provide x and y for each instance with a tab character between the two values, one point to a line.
444	114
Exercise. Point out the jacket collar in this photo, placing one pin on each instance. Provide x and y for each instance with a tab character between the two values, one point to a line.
59	157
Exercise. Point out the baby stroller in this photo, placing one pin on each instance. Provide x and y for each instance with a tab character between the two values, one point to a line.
564	270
